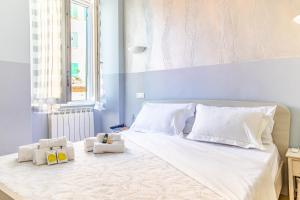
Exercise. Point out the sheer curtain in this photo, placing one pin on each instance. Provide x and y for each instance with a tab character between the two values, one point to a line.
48	53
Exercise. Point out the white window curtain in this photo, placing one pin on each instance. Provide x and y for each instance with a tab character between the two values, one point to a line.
48	53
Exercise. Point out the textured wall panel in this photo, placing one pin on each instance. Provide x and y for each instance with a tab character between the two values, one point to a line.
189	33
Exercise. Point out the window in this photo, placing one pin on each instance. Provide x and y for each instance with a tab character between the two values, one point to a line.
81	36
64	51
83	54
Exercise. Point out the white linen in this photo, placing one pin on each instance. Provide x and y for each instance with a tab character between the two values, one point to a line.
115	147
25	152
163	117
228	125
134	174
54	142
232	172
39	156
70	151
89	143
269	112
45	143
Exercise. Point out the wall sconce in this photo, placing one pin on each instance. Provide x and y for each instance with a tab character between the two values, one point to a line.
297	19
137	49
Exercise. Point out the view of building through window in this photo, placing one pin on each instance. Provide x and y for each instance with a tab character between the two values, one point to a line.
79	51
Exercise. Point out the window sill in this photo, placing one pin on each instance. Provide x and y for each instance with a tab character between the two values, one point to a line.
81	103
74	104
71	105
84	104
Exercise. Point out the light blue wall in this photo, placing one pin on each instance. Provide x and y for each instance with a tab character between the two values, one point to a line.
39	126
15	109
112	56
272	80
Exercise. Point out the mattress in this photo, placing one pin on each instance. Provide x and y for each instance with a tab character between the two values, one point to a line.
154	166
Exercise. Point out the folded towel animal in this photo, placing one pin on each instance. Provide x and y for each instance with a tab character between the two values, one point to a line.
55	142
89	143
25	153
115	147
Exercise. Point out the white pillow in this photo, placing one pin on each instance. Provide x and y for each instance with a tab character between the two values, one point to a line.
229	125
269	112
163	117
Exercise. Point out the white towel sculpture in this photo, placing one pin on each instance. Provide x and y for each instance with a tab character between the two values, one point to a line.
114	144
115	147
37	152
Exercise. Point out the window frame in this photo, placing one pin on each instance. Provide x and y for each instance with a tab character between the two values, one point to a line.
93	6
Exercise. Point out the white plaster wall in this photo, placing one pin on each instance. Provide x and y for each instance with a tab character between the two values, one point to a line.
14	31
190	33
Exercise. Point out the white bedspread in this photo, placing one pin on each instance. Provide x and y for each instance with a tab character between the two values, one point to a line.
233	173
136	174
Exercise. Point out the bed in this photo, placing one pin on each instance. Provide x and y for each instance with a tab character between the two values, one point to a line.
157	166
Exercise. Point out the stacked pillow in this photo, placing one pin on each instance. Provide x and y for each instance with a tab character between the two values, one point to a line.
246	127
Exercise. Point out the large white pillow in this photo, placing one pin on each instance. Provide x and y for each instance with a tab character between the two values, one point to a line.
229	125
269	112
163	117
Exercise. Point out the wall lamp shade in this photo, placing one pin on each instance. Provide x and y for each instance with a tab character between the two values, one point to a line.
137	49
297	19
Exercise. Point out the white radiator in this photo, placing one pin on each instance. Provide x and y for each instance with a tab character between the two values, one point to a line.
74	123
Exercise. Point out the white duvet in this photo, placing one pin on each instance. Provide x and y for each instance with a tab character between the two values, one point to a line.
176	169
136	174
233	173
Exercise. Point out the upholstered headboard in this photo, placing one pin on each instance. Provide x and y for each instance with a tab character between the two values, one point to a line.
281	131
